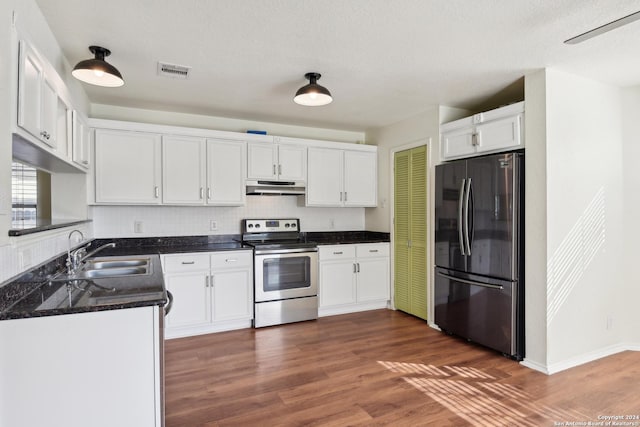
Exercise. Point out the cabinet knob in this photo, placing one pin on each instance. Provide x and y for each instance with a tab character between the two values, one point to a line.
338	253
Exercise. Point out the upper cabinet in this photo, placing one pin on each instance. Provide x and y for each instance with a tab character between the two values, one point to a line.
127	167
81	140
37	97
199	171
490	132
44	118
341	178
276	162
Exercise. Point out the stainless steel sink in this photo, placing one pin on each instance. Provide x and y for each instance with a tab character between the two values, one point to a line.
109	267
112	272
102	264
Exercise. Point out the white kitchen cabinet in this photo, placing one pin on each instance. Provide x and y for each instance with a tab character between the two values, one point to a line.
490	132
199	171
184	163
212	292
37	97
101	368
127	167
341	178
353	278
226	172
81	140
276	162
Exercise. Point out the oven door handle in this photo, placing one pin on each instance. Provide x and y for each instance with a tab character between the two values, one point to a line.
285	251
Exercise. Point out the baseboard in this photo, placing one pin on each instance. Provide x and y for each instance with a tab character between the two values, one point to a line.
581	359
351	308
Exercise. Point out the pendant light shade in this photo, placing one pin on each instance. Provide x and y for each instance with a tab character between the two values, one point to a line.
313	95
97	71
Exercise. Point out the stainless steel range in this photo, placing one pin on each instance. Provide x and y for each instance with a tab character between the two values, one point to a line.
285	271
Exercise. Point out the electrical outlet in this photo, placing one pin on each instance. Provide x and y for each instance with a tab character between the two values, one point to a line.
137	226
213	225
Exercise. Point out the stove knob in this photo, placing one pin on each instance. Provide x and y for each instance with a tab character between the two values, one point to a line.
257	225
293	225
286	225
250	226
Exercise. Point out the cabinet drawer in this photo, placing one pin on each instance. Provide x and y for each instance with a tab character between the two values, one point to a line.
371	250
231	259
336	252
185	262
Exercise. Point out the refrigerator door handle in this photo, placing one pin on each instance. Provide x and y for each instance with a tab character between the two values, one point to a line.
467	233
471	282
460	212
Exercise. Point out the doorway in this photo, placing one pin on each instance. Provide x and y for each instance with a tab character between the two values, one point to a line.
410	231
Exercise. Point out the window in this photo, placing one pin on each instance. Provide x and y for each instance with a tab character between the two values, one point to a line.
27	186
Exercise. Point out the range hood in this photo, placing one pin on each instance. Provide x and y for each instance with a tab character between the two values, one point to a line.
276	188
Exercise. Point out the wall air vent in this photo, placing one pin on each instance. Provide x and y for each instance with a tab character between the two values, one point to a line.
173	71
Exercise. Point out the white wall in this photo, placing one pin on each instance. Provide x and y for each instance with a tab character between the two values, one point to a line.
631	154
110	112
535	221
578	140
117	221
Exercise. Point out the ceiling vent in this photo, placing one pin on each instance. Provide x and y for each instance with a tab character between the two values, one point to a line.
173	71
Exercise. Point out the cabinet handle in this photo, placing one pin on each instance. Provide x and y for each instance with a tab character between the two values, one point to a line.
274	169
354	267
341	196
358	264
373	250
156	191
201	193
212	280
279	169
338	253
474	139
188	262
85	162
208	192
231	260
206	281
345	196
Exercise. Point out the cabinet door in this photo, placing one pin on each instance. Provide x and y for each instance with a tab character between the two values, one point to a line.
325	177
49	114
183	170
226	172
500	135
262	161
232	295
360	178
373	279
337	283
127	167
81	140
190	299
292	163
458	143
30	76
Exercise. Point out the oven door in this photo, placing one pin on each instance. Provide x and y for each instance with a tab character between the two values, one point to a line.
286	275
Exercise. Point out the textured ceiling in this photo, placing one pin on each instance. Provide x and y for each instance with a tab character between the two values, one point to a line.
383	60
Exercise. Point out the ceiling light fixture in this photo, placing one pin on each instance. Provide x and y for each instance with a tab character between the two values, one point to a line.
313	95
97	71
604	28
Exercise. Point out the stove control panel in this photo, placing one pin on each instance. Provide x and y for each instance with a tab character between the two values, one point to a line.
270	225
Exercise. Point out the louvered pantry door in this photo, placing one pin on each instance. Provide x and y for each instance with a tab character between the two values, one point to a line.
410	230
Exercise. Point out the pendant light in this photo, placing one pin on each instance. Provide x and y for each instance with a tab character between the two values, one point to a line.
97	71
313	95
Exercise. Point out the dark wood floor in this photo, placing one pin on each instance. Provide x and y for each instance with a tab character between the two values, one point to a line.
379	368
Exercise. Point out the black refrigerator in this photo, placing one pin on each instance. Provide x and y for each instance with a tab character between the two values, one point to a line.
479	251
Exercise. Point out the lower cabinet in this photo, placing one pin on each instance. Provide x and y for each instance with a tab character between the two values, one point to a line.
353	278
212	292
100	368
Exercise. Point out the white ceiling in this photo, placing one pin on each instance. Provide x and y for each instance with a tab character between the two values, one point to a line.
383	60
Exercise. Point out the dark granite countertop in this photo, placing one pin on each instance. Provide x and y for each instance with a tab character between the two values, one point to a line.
347	237
37	296
168	245
22	228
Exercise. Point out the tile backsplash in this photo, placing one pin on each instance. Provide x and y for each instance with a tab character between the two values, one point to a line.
146	221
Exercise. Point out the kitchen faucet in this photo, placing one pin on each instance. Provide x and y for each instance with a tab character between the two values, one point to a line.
70	269
75	258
